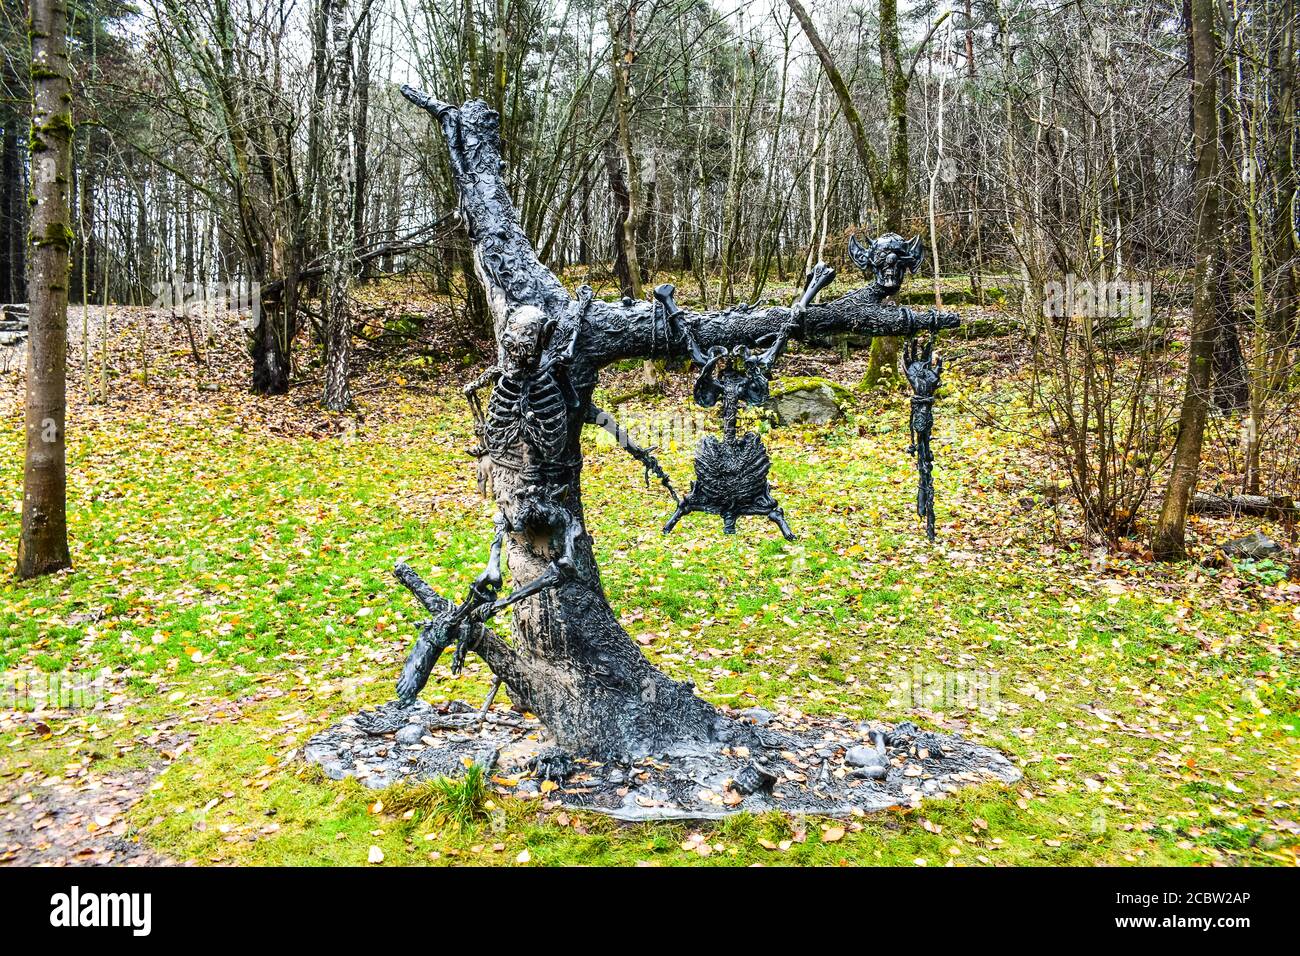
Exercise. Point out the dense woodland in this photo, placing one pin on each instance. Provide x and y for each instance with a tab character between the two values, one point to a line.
265	147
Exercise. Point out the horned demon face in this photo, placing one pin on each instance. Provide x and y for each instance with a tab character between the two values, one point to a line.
521	339
890	257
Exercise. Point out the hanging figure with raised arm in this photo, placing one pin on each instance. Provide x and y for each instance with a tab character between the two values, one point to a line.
923	371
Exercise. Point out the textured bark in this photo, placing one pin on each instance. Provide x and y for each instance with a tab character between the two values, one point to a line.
569	661
365	31
270	358
342	239
43	544
1168	541
622	204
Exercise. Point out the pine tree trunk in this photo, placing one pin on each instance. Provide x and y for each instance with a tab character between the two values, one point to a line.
43	545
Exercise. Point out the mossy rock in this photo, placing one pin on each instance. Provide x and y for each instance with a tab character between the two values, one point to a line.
808	400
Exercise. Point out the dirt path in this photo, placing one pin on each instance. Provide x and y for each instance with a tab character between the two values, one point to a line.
81	822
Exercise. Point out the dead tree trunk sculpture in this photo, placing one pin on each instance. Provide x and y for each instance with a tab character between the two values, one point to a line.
568	660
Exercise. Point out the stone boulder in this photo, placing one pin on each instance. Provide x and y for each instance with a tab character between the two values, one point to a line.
807	401
1254	546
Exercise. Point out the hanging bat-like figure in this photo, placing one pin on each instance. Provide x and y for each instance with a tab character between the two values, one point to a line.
731	472
923	372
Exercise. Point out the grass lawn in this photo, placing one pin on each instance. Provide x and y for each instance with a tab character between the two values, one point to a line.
232	570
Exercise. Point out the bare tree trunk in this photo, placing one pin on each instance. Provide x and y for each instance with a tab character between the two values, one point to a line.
890	183
365	29
934	176
43	544
618	188
622	29
1284	318
1168	541
13	268
338	324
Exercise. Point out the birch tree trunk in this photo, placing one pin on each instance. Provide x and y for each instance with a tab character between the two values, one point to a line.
342	239
43	544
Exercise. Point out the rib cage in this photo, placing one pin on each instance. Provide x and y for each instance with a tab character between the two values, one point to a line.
532	410
732	472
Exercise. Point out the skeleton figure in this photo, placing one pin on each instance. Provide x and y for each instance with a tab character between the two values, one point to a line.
537	404
526	428
923	372
890	258
731	474
526	423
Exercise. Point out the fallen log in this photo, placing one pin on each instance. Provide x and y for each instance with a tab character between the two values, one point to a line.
1265	506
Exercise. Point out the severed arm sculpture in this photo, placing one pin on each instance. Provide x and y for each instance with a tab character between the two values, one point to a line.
603	419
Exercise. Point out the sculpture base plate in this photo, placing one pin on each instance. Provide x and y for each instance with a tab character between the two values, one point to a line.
794	764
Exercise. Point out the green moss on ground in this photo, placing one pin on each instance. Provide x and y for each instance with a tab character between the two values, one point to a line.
236	580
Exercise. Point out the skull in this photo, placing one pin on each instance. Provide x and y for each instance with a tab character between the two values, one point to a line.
521	339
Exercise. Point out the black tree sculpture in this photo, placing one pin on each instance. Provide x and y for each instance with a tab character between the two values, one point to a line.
568	660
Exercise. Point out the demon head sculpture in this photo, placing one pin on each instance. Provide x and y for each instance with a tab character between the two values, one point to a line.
890	258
